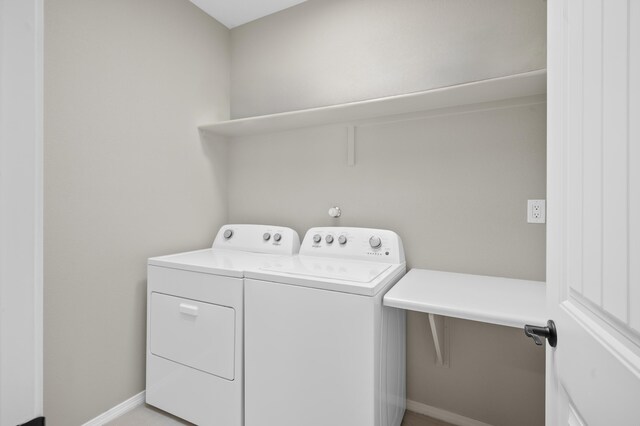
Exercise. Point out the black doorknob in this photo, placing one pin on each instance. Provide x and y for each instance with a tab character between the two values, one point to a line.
548	332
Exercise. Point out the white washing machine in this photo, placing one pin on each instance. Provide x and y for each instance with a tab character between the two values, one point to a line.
195	322
320	348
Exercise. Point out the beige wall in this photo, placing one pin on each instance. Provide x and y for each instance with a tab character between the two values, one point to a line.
455	187
126	177
326	52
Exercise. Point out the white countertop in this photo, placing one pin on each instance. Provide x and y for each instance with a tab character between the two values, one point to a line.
494	300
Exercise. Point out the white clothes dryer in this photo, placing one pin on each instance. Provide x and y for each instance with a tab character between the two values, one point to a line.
320	348
195	322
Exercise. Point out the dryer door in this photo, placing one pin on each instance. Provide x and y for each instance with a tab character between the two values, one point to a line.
193	333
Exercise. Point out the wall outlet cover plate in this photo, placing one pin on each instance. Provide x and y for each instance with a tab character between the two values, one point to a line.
536	211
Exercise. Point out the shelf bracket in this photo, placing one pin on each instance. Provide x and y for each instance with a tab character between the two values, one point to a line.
440	332
351	146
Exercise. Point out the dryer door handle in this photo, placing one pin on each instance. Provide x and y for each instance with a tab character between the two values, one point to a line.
189	309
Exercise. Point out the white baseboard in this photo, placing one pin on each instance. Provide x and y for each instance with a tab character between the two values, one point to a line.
417	407
117	411
444	415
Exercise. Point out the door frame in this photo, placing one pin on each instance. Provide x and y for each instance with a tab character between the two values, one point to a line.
555	68
21	210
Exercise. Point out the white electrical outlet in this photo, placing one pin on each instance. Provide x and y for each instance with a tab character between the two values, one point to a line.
536	211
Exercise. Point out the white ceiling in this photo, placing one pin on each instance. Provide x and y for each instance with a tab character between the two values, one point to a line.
232	13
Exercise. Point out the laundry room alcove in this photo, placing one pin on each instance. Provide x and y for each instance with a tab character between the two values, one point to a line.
474	145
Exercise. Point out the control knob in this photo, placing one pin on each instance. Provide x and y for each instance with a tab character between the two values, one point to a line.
228	234
317	238
342	239
277	237
329	239
375	242
266	236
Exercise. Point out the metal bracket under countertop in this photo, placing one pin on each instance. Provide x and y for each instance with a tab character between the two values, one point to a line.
440	330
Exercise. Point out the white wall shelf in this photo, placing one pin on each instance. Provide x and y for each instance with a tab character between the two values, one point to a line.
495	89
494	300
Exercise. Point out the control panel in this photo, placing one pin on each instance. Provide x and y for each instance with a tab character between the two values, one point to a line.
379	245
267	239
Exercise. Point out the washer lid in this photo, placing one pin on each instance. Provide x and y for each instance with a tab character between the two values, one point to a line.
322	268
347	276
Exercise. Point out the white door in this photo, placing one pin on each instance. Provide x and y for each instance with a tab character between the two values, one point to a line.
20	211
593	245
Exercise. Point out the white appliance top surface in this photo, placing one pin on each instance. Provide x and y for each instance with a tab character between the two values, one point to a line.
230	263
237	247
347	276
344	259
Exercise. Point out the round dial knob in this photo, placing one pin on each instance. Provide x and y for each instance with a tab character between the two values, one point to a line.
342	239
317	238
375	242
266	236
277	237
329	239
228	234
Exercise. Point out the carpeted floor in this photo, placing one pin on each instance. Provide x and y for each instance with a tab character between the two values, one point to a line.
415	419
146	415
